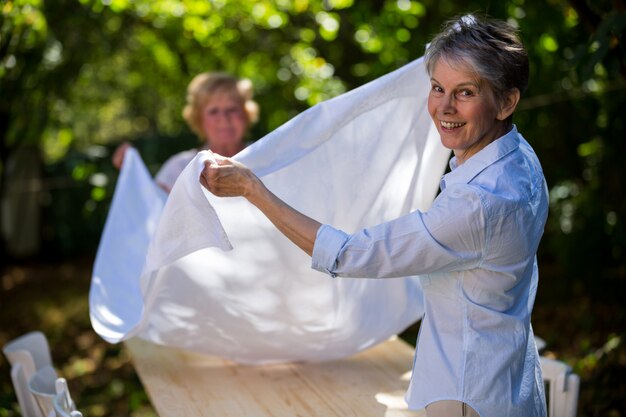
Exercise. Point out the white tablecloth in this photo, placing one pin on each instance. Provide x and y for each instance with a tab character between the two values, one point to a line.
165	270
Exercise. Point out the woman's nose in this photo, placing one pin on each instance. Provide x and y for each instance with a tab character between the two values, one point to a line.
447	105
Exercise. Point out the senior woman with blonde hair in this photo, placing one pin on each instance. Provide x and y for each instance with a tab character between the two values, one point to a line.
474	249
219	109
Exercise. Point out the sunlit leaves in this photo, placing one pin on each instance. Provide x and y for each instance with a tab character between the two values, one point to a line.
198	7
588	363
590	148
403	35
23	27
338	4
516	13
307	35
117	5
315	74
392	35
368	39
126	75
162	55
267	16
98	194
258	67
201	28
23	13
177	38
328	25
168	8
53	55
56	142
548	43
571	17
562	202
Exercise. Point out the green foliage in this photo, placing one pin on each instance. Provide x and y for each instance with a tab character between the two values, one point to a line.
585	72
82	75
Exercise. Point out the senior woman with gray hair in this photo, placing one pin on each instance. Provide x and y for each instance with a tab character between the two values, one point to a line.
474	249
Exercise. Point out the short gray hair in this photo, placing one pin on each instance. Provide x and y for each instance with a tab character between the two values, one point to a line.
490	47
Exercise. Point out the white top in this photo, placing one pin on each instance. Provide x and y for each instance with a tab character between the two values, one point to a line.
172	168
475	250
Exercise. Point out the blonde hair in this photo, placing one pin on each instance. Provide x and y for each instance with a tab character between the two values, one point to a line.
206	85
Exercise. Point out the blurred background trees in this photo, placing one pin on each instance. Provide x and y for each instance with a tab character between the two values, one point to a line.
77	77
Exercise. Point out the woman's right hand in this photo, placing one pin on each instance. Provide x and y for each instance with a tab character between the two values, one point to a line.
118	155
228	178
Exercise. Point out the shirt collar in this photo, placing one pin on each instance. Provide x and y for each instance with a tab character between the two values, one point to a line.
464	173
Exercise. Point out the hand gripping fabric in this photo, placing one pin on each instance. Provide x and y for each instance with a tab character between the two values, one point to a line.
213	275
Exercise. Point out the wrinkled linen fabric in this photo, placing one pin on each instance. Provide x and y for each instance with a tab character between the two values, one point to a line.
217	277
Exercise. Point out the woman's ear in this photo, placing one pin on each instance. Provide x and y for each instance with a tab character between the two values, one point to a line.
509	104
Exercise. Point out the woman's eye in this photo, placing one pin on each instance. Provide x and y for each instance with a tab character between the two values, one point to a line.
465	93
436	89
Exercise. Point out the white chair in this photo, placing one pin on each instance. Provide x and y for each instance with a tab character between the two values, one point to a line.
42	386
25	399
562	386
27	355
63	404
35	343
540	343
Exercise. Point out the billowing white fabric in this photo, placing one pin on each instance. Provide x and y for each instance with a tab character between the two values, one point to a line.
362	158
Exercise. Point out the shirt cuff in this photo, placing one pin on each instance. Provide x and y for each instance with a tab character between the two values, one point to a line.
328	243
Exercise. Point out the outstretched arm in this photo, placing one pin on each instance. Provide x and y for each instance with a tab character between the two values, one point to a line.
229	178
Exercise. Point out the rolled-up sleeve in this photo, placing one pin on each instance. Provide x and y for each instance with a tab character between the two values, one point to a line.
451	236
328	243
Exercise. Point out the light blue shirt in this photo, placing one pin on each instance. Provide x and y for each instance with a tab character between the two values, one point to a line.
475	251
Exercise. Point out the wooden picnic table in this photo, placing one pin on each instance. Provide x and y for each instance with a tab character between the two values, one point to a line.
371	383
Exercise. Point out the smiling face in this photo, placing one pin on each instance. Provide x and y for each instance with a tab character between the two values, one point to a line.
464	110
224	123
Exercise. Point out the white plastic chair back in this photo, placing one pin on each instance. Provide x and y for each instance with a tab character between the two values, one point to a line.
31	352
35	343
42	387
25	360
25	399
63	404
540	343
74	413
562	386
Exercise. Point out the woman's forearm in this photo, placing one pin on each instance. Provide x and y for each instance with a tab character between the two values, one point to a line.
228	178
